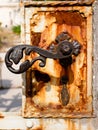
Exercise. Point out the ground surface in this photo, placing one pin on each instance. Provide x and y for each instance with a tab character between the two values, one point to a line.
10	99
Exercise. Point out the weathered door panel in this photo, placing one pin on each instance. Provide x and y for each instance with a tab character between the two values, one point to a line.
44	93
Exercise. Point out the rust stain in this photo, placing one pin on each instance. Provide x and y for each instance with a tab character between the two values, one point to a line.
71	125
15	129
38	128
1	116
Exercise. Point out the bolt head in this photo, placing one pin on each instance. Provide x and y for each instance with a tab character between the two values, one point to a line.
29	124
66	48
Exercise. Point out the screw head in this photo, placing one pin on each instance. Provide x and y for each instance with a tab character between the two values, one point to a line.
66	47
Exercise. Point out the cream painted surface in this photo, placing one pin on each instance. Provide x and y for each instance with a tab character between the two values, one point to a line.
17	122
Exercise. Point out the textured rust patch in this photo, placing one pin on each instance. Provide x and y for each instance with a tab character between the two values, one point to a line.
69	18
35	38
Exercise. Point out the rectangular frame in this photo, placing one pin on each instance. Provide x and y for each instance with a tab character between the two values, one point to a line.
29	9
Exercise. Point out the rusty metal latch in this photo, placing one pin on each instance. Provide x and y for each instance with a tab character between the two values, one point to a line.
63	50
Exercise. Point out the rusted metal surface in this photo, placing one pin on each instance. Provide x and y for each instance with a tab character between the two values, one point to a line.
57	3
42	27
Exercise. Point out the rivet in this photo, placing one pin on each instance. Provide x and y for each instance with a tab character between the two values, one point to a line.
29	123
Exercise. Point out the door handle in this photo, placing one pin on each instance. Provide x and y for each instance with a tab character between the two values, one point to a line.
63	50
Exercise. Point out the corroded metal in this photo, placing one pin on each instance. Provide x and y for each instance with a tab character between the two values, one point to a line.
57	3
63	50
54	96
64	92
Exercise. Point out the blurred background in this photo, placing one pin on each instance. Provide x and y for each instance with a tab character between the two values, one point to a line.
10	84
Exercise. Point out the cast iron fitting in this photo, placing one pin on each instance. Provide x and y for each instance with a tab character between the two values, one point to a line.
63	50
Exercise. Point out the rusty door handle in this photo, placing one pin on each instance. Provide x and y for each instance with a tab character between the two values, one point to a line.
63	50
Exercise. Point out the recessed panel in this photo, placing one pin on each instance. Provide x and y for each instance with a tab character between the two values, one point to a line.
46	95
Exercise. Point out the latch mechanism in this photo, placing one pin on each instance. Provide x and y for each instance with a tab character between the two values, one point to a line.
63	49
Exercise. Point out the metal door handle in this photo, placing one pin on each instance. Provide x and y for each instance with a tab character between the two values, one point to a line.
63	50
